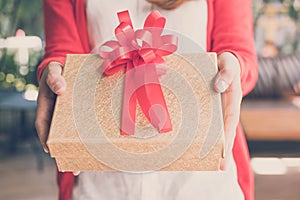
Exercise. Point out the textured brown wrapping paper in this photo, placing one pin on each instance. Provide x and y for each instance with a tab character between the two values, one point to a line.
85	129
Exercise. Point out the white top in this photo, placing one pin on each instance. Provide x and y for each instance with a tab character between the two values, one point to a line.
189	19
102	18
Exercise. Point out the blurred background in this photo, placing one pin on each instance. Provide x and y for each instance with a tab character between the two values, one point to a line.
270	114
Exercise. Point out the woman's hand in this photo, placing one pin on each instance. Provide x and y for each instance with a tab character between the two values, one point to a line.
228	83
51	84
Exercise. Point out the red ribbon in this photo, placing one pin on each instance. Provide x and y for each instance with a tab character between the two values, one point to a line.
140	53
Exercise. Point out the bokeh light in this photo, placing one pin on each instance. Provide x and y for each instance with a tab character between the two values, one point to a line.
10	78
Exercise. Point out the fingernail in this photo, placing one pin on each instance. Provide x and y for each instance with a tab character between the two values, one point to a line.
76	173
46	150
220	85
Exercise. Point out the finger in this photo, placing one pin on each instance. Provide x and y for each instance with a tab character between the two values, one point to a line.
45	103
76	173
229	68
231	101
224	78
54	78
228	83
230	138
220	84
225	162
222	164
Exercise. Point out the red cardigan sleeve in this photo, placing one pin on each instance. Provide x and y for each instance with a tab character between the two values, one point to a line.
61	33
232	31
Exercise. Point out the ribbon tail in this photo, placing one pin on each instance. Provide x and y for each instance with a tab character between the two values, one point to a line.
151	98
129	104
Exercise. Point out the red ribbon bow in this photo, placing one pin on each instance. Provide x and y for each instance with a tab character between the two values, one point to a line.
140	53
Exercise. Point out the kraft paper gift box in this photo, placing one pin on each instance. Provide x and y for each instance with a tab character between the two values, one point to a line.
85	129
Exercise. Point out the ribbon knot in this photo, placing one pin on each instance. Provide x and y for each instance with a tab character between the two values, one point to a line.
140	53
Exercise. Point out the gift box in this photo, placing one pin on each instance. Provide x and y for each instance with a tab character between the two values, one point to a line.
138	105
85	130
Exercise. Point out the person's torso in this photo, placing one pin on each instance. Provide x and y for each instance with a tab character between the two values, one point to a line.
189	19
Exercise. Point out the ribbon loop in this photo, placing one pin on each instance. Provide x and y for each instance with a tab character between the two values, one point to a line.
140	53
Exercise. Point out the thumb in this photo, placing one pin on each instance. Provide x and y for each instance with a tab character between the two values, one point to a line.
228	69
221	84
54	80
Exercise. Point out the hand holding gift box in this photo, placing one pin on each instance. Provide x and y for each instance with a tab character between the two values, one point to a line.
85	129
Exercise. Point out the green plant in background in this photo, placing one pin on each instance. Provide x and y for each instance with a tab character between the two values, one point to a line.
26	15
15	77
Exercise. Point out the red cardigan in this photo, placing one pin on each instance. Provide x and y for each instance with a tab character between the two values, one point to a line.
229	28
